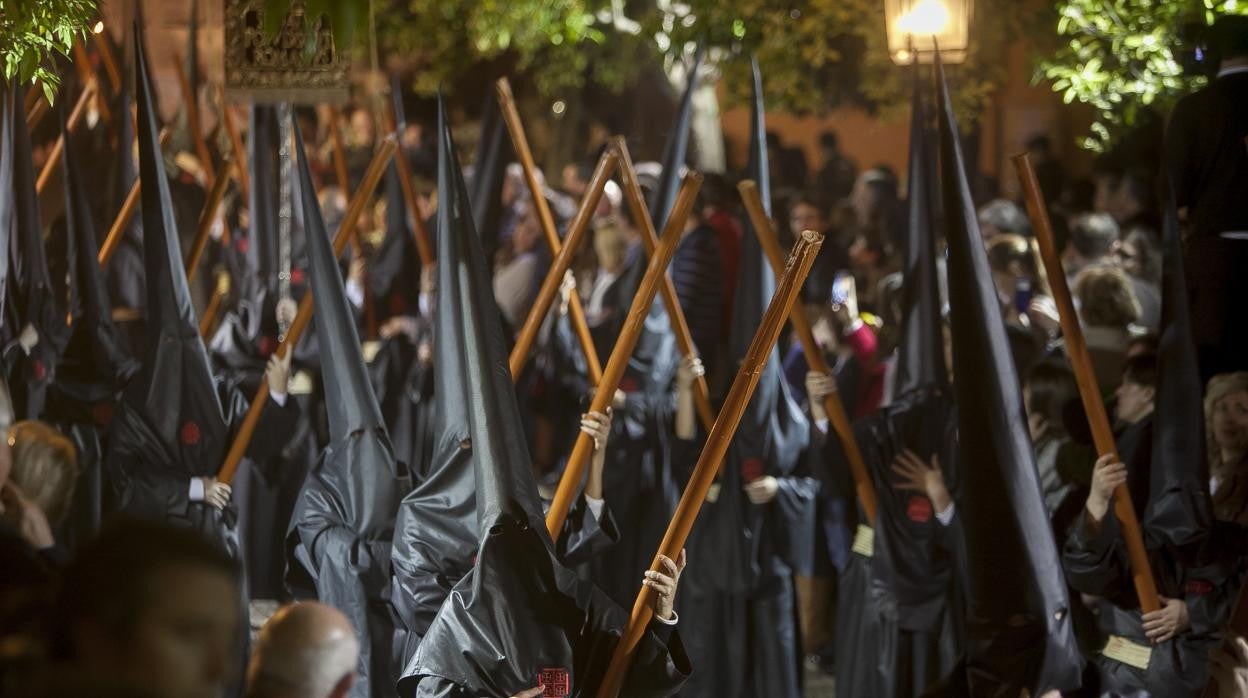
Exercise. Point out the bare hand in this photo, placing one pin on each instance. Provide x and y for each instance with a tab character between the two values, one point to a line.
1166	622
400	324
1107	475
762	490
924	478
28	338
534	692
598	426
429	279
1043	314
818	387
689	370
357	270
566	289
216	494
25	516
664	585
277	372
1228	665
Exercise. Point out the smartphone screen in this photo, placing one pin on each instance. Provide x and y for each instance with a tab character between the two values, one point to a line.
1022	295
840	288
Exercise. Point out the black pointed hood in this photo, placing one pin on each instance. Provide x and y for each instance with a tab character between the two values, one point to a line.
920	362
516	612
1179	512
489	170
174	394
1020	634
436	534
675	152
10	113
95	364
262	205
394	272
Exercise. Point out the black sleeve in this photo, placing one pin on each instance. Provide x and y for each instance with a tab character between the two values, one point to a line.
1094	559
584	535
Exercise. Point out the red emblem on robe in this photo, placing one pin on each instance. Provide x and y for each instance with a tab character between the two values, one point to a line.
556	681
751	469
919	509
189	433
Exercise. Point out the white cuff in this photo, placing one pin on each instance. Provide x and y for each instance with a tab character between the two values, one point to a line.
355	293
822	425
197	490
946	517
595	506
278	397
675	617
425	304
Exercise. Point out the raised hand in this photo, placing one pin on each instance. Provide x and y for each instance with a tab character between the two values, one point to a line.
924	478
664	584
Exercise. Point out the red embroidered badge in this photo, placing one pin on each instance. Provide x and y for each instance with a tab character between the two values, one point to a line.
751	469
39	369
919	509
242	245
296	275
102	413
628	384
190	433
556	681
267	346
1198	587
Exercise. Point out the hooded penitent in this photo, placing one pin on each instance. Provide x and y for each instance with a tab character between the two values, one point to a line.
493	153
394	270
1193	557
339	540
1019	635
31	302
518	617
738	588
899	620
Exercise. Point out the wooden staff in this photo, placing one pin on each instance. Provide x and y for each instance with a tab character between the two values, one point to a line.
82	62
222	289
236	145
36	111
511	116
864	486
554	277
71	124
346	231
339	151
206	217
110	61
604	393
676	314
1077	350
113	240
716	447
419	231
191	101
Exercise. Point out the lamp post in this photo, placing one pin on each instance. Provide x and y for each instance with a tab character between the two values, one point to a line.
913	26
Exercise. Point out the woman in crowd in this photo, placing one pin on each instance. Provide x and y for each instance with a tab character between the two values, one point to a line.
1226	425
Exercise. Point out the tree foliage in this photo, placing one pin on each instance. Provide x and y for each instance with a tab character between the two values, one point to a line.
815	54
34	30
1124	56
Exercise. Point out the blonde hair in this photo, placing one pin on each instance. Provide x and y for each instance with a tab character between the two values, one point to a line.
45	466
1219	387
1106	298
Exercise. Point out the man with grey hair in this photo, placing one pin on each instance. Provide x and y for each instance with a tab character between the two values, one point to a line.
1001	216
306	650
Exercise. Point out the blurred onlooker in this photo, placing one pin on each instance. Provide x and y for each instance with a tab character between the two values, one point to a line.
306	650
1002	216
1228	666
1092	238
358	144
153	605
1107	309
835	178
1048	168
1138	253
696	270
851	348
1226	419
877	206
1132	202
1018	289
808	211
1049	388
718	202
788	165
45	467
1207	161
517	270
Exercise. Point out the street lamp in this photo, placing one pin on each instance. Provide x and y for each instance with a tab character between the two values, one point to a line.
913	24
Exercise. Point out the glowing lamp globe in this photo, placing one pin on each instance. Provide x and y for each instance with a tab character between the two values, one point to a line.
916	27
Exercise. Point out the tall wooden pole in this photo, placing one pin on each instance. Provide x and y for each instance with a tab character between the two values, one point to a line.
576	313
128	207
346	231
419	231
676	314
191	102
716	448
204	230
236	145
110	61
554	276
339	152
1081	361
838	419
71	125
82	62
635	321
